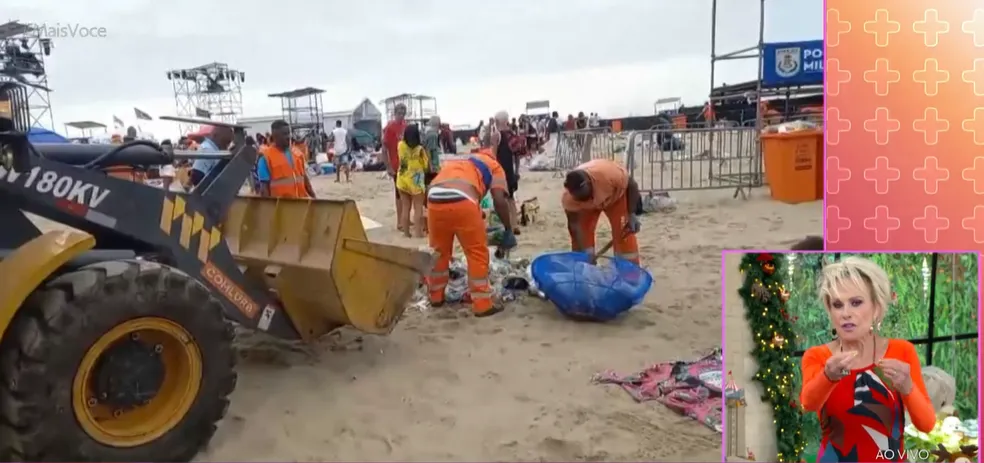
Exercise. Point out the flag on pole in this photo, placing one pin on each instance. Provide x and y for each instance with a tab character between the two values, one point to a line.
142	115
117	122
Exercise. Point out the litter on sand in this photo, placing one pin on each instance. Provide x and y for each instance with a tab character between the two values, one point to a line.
658	202
510	279
692	389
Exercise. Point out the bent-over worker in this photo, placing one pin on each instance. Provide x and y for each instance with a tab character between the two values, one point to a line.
281	171
595	187
453	211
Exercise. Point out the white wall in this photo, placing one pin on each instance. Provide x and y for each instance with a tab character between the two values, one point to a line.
331	118
255	126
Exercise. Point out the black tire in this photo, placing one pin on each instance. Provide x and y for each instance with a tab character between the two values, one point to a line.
43	347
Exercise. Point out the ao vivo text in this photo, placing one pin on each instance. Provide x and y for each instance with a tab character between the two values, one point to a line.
914	455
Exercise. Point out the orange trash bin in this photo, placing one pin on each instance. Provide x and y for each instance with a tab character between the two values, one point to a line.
794	165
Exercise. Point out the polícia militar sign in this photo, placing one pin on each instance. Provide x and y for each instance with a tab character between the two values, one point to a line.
792	63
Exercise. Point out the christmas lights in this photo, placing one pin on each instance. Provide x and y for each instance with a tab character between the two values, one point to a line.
764	294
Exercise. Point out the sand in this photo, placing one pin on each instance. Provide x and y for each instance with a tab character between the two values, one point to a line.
445	386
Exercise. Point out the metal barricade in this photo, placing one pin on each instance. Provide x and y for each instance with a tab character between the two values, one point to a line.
726	155
575	147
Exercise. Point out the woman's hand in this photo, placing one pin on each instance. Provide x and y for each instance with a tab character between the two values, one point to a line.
836	367
898	372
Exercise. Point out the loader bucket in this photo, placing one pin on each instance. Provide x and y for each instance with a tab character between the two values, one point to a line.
315	256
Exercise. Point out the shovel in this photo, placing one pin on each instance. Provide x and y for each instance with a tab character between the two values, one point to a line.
593	258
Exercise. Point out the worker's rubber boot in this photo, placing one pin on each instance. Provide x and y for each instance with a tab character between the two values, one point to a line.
496	308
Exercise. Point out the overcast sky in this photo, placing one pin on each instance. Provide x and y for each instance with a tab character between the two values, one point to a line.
614	57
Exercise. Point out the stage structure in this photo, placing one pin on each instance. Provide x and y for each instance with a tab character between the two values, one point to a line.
211	91
85	129
785	70
538	108
23	50
752	52
420	108
667	106
303	111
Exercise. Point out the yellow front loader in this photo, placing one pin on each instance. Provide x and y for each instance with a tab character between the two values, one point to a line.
115	333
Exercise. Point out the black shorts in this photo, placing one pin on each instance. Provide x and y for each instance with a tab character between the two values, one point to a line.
512	181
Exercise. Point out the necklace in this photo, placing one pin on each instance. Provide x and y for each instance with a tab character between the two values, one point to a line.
874	350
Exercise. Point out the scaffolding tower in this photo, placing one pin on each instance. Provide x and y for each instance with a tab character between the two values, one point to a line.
84	128
212	91
22	52
752	52
420	108
538	108
303	111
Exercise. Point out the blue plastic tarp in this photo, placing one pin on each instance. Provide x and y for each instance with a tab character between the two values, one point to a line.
39	135
583	290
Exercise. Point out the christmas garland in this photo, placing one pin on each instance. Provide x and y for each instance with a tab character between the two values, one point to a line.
764	294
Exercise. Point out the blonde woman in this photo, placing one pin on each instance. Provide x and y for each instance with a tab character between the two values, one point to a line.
862	384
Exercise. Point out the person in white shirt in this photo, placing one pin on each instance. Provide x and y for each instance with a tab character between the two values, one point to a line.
339	138
163	176
168	179
593	120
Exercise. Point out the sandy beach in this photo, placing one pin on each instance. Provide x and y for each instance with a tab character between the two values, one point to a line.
445	386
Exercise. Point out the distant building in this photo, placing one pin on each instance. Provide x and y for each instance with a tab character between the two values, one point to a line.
364	116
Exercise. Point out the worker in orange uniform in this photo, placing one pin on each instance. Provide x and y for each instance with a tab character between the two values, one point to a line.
281	170
453	210
299	145
600	186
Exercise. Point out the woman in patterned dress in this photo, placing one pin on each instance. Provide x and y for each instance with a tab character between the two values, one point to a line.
861	384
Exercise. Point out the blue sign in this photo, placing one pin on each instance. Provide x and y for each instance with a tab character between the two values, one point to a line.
790	64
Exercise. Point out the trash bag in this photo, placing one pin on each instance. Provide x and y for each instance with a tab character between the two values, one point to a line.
584	291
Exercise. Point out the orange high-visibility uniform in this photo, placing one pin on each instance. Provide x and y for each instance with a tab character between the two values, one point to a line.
301	149
286	180
453	211
709	115
609	183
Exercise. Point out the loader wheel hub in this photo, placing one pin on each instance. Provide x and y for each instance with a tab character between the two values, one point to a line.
128	375
137	382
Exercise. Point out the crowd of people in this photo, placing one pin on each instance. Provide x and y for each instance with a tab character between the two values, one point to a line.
438	196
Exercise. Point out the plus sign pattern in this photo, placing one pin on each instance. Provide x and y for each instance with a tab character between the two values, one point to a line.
905	125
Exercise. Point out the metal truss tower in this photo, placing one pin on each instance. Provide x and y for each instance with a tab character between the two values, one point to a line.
420	108
753	52
23	49
302	110
212	91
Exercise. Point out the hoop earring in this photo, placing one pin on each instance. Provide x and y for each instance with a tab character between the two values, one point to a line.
833	332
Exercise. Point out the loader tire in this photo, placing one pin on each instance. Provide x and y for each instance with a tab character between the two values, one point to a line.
44	414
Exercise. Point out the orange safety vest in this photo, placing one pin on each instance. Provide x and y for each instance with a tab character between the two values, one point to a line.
286	180
474	176
300	148
709	112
